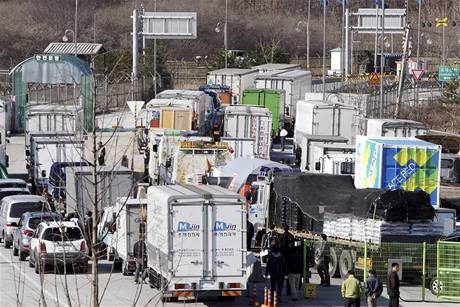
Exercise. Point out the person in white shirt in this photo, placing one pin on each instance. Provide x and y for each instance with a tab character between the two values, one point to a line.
283	134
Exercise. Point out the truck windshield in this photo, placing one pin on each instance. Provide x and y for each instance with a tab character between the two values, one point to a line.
447	163
67	234
18	209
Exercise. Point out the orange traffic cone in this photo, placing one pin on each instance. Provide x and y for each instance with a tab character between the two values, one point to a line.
253	301
275	300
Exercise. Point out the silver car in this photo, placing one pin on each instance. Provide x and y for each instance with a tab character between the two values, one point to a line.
26	227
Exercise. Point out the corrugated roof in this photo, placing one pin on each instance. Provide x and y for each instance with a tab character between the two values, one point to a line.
69	48
232	71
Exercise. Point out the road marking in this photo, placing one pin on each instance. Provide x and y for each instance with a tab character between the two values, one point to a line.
33	282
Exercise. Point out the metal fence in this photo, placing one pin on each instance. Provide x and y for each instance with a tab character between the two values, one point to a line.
429	271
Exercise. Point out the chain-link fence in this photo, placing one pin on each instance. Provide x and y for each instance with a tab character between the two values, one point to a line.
427	271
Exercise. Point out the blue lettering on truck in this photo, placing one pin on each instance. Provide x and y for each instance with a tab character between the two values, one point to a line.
222	226
186	226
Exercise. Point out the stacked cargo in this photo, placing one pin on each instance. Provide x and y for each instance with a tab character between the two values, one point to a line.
237	79
273	100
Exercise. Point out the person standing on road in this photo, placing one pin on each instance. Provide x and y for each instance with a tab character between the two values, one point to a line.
283	134
295	267
101	155
277	269
270	240
351	290
393	285
287	245
322	259
140	253
249	234
374	288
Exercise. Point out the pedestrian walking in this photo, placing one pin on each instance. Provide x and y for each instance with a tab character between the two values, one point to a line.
374	288
393	285
287	241
271	239
351	290
101	156
283	134
295	267
322	259
277	269
140	253
249	234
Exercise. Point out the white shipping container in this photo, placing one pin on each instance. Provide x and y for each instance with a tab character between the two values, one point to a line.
250	122
335	159
196	241
240	148
305	144
295	83
376	127
317	118
237	78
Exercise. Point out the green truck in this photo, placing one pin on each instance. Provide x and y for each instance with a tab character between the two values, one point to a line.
271	99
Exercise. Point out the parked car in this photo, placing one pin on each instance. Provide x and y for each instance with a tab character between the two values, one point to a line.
58	244
4	192
26	227
12	183
11	209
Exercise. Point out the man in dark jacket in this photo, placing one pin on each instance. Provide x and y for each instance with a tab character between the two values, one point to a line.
271	239
322	259
295	268
374	288
277	269
287	245
140	253
393	285
249	234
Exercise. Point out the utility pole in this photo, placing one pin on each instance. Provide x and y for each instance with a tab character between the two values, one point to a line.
376	36
324	50
308	34
135	54
154	57
75	28
225	34
418	31
342	53
403	70
382	61
94	269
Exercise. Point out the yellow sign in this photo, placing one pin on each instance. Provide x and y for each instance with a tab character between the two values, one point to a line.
360	263
203	145
441	22
374	79
310	290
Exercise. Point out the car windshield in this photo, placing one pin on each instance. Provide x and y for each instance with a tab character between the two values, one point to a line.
13	185
33	222
17	209
68	234
9	193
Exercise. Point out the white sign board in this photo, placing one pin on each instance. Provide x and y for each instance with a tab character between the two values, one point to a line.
395	20
169	25
135	107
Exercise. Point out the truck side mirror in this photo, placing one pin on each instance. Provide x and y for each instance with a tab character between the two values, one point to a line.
168	163
318	166
155	148
27	153
7	161
43	173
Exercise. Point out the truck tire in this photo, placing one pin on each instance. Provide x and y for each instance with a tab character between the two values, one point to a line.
124	268
333	262
435	286
15	250
345	263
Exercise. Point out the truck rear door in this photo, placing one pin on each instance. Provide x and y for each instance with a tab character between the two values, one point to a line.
226	239
133	220
188	236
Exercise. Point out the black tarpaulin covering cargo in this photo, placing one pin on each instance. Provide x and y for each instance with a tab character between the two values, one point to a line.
299	200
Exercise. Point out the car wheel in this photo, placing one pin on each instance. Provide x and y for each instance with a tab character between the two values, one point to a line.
15	250
435	286
7	244
84	267
31	265
22	255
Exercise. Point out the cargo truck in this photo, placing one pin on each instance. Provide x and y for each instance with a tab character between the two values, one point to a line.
450	168
120	229
273	100
248	123
44	151
45	120
392	127
238	79
295	83
304	149
112	182
334	159
398	163
196	241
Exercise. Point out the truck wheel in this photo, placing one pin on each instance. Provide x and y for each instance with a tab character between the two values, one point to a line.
7	244
333	262
345	263
22	255
435	286
15	250
124	268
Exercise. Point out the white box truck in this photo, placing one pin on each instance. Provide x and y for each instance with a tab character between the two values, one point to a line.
44	151
334	159
112	182
377	127
120	229
196	241
318	118
249	122
238	79
295	82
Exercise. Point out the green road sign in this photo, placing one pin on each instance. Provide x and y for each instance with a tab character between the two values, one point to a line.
448	73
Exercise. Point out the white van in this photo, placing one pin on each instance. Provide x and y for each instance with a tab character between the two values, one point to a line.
11	209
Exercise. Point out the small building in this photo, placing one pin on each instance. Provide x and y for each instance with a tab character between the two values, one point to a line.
336	62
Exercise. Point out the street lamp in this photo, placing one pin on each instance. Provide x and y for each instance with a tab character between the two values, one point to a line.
298	28
218	28
65	38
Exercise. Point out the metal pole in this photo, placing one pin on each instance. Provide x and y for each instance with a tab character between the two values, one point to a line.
418	32
423	271
305	266
155	57
324	50
342	54
443	45
135	53
347	43
376	37
94	269
75	28
382	60
225	33
365	262
308	34
351	51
